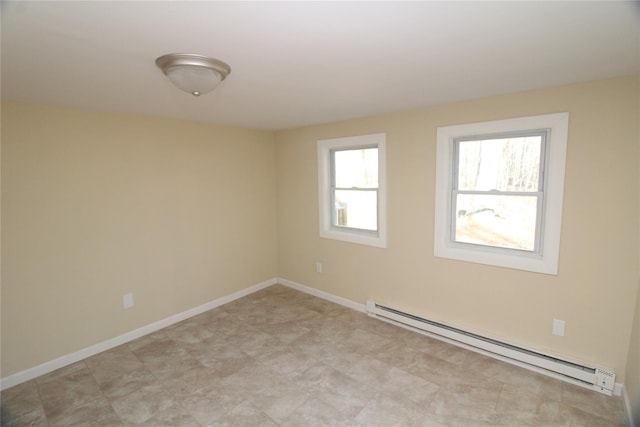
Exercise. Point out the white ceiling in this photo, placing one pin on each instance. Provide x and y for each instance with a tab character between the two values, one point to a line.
300	63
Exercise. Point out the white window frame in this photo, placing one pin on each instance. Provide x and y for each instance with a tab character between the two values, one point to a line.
376	238
545	260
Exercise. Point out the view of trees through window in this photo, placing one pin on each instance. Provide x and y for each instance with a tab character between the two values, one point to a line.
497	191
355	173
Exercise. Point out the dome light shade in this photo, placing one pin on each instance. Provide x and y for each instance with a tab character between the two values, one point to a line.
195	74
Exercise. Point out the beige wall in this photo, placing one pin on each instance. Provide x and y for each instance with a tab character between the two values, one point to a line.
95	205
595	289
632	381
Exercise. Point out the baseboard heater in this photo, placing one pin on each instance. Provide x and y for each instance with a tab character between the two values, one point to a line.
598	379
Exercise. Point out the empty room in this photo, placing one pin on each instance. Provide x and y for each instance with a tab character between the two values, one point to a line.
320	213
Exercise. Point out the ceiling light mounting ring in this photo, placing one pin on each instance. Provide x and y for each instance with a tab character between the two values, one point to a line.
195	74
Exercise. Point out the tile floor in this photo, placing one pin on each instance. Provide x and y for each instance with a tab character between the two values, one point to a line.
280	357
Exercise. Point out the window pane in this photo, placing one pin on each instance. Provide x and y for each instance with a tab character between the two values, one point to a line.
356	209
505	164
499	221
356	168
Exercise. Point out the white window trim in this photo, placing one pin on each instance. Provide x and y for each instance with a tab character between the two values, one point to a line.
376	238
547	261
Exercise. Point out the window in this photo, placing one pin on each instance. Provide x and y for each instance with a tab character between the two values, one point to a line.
351	176
499	189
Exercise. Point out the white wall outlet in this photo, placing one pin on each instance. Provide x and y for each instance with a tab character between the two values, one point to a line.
318	267
558	327
127	300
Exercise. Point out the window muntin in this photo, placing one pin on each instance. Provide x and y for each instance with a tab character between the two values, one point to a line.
352	189
497	190
529	250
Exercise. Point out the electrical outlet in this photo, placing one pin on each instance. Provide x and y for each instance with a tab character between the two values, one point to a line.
318	267
127	300
558	327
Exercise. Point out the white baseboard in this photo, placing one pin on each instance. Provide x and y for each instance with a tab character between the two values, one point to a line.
618	390
627	406
60	362
324	295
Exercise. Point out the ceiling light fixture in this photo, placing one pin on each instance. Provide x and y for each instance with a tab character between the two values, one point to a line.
192	73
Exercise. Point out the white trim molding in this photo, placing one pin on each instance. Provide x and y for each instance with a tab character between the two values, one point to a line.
77	356
324	295
68	359
628	409
618	388
546	259
377	238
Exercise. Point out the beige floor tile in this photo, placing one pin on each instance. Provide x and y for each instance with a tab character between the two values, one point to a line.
279	400
207	407
438	371
514	375
364	342
519	400
559	414
285	331
400	356
143	404
591	402
493	419
174	416
246	414
111	364
62	372
190	331
184	368
286	361
21	401
274	394
409	387
65	390
97	412
127	383
317	345
211	317
179	388
339	390
318	305
282	357
466	401
146	340
363	368
383	329
448	352
315	412
34	418
160	346
416	340
391	409
251	340
221	357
